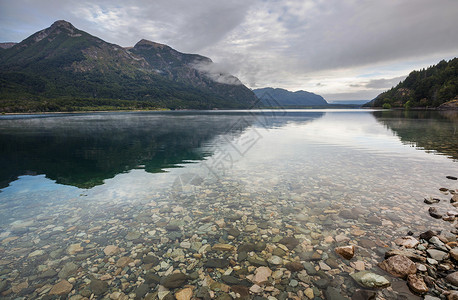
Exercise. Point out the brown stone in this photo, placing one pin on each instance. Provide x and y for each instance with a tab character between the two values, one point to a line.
453	295
294	266
16	288
366	243
74	248
398	266
452	278
346	252
407	241
124	261
433	212
111	250
453	244
261	275
454	253
417	284
407	253
223	247
63	287
184	294
427	235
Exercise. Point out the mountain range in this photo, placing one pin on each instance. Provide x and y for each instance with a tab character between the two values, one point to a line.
281	97
62	68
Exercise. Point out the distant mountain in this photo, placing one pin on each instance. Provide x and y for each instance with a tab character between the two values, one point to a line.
355	102
429	87
281	97
62	68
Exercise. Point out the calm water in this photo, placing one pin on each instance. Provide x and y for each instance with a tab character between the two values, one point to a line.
122	178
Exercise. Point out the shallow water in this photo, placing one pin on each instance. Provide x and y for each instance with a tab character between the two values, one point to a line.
121	178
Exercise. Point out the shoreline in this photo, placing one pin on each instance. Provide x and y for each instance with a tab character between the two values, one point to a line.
428	261
452	109
247	109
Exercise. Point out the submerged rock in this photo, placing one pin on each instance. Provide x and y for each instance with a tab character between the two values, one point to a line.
434	213
275	260
68	269
217	263
184	294
398	266
74	248
111	250
452	278
98	287
46	274
417	284
174	280
3	285
370	280
437	254
63	287
407	242
454	198
289	242
409	253
124	261
431	200
427	235
132	236
294	266
346	252
261	275
141	291
223	247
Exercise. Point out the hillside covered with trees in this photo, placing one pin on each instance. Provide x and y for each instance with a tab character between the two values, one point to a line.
62	68
426	88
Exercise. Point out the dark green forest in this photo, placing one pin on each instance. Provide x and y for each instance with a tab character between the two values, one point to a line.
426	88
66	91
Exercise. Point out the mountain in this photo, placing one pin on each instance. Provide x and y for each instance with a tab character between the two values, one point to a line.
6	45
429	87
281	97
62	68
355	102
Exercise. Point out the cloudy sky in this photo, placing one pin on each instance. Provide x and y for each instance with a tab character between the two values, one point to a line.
340	49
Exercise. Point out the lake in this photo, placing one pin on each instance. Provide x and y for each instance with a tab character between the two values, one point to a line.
130	197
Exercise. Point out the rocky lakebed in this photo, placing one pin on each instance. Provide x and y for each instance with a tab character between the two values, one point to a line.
220	243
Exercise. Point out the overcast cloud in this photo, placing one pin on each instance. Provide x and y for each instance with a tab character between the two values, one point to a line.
352	49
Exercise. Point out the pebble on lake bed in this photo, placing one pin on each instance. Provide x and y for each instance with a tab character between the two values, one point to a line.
346	252
398	266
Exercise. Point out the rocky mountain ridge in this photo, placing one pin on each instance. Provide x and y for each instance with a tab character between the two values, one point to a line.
64	68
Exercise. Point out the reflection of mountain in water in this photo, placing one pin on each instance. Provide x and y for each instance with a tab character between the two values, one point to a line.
83	150
437	131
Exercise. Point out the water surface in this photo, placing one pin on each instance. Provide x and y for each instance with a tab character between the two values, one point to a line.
327	177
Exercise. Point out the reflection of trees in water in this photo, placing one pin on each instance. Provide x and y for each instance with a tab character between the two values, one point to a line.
84	150
428	130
